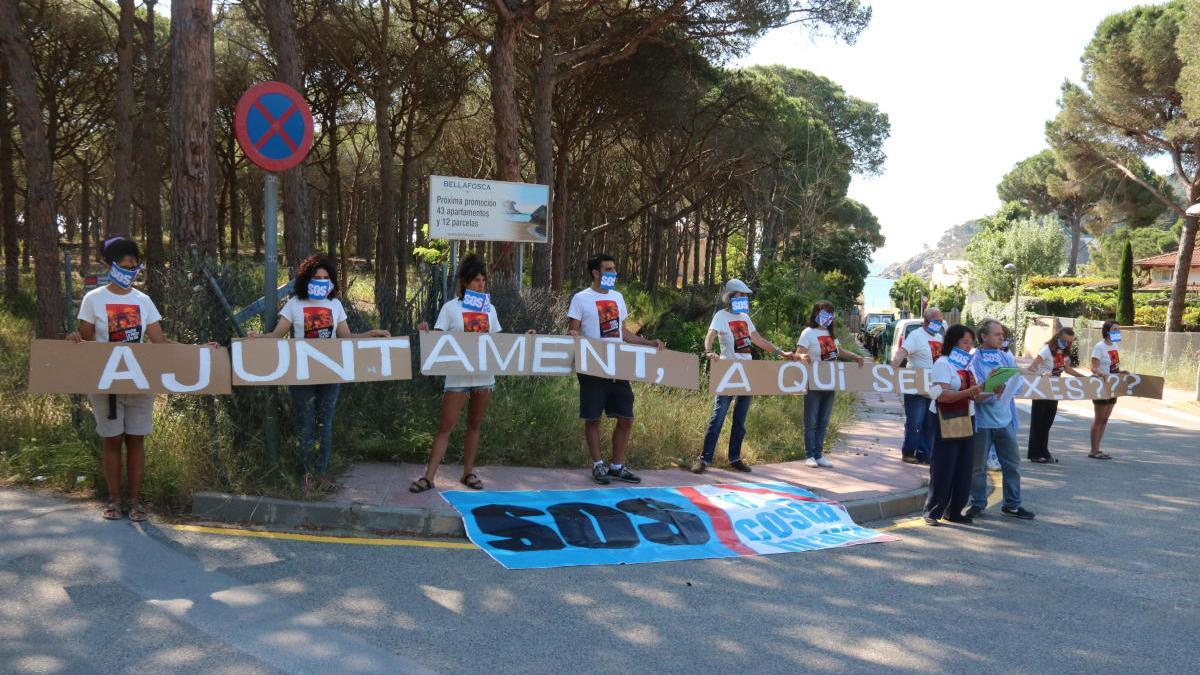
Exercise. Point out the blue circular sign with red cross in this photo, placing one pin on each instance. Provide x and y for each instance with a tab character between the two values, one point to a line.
274	126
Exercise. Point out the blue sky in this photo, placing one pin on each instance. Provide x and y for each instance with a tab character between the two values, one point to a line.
968	86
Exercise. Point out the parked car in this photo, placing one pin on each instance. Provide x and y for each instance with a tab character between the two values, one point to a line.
893	337
872	328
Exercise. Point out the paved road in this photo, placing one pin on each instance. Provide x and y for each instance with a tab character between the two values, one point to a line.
1106	580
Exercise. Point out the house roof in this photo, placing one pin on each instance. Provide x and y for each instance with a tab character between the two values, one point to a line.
1167	260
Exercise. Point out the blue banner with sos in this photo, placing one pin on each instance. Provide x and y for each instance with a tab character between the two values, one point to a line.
613	526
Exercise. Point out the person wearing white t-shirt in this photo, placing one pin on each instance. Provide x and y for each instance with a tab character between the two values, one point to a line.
818	342
118	312
314	312
735	331
1106	360
598	312
920	348
1052	360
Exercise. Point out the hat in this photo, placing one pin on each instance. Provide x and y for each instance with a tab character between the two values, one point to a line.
734	286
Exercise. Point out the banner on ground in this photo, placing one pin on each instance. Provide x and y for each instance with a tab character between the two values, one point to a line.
62	367
638	363
270	361
613	526
487	210
773	378
445	353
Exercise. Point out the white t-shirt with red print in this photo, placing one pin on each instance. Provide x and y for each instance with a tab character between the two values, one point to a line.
601	316
733	332
119	317
820	344
923	349
1052	364
455	318
312	319
1108	356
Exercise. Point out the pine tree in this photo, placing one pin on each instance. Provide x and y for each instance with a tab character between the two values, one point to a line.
1125	288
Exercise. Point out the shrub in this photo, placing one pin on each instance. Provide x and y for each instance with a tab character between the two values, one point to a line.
1033	284
1077	301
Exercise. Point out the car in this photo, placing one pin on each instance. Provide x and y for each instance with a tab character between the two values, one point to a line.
872	328
893	336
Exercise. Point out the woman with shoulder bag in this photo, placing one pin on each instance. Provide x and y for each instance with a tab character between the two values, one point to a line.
953	448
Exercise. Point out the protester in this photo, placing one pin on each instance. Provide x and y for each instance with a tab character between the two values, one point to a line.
820	341
315	312
1053	359
921	348
734	329
118	312
1106	360
598	312
994	424
469	312
951	413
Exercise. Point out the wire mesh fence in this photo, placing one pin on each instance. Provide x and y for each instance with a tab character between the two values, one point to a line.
1173	356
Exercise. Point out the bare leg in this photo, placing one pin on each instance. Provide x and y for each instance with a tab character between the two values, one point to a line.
112	466
591	431
620	440
135	464
452	403
475	411
1099	425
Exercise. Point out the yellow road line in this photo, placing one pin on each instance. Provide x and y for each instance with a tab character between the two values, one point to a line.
323	539
994	500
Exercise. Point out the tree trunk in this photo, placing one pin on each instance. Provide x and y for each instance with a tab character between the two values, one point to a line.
1076	236
8	192
385	258
1183	264
505	121
235	202
543	145
149	152
85	215
119	216
696	252
281	28
191	124
404	245
222	214
559	239
39	173
255	195
335	182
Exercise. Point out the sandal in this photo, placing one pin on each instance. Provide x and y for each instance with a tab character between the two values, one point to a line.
472	481
420	485
1099	455
137	512
112	510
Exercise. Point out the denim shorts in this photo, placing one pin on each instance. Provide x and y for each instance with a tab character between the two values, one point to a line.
468	390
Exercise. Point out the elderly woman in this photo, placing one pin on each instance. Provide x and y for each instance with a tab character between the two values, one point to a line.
952	412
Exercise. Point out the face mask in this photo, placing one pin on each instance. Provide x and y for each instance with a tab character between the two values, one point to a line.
474	300
935	327
121	276
740	305
319	289
608	280
959	358
1004	345
1062	344
825	318
1115	336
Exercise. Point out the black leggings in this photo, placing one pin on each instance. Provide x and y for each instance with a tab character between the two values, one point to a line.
1041	418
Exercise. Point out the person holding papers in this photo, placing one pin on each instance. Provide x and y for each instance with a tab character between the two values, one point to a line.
951	413
994	423
470	312
1106	360
818	342
314	312
732	327
920	348
1053	360
598	312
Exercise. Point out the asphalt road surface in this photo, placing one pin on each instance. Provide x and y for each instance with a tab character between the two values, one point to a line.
1106	580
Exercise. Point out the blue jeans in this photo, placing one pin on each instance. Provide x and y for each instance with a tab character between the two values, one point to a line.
818	406
1005	440
919	430
312	403
717	421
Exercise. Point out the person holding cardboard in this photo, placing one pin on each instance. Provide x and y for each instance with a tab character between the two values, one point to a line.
819	342
314	312
470	312
920	349
118	312
599	312
1052	360
1106	360
952	412
735	331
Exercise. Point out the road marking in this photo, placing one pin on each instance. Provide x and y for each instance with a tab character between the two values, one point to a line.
322	539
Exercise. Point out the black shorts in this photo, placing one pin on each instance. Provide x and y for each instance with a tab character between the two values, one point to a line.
600	396
1103	401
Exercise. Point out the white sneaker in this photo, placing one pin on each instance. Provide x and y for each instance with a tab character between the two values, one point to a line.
810	462
822	462
993	465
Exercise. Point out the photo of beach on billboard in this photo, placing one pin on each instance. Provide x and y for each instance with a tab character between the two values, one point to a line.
488	210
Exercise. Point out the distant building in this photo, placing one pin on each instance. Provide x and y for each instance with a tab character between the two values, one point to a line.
948	273
1162	269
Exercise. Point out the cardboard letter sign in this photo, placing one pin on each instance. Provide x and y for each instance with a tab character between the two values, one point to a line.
1090	388
755	378
61	367
495	354
640	363
267	361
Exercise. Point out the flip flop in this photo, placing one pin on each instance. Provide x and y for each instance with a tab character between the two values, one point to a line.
1101	455
472	481
112	511
137	512
420	485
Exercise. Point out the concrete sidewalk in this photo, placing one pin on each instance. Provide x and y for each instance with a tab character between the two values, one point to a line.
868	478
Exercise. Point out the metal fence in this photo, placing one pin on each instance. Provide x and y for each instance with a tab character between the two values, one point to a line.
1173	356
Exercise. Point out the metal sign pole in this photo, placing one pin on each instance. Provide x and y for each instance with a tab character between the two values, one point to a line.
451	273
270	300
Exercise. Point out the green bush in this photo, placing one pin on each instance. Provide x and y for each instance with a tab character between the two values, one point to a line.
1077	301
1033	284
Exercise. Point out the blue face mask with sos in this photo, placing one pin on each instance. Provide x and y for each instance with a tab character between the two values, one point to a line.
935	327
121	276
959	358
474	300
825	318
740	305
1115	336
319	289
608	280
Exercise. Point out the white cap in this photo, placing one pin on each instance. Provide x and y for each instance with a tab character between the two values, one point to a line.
734	286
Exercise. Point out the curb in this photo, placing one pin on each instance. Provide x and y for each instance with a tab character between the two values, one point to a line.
273	512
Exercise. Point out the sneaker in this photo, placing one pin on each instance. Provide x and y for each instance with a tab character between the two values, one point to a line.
739	465
624	474
910	459
930	520
811	462
824	463
600	473
961	520
993	464
699	465
1019	512
973	512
